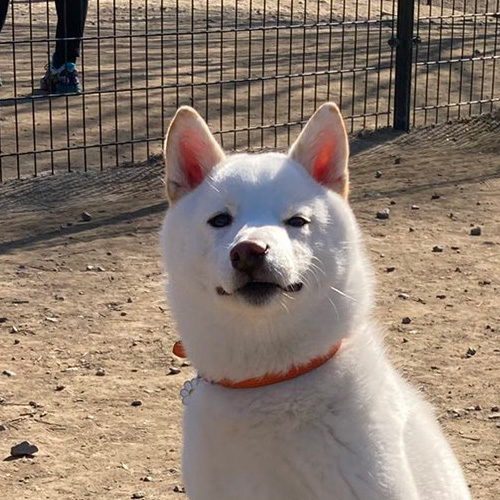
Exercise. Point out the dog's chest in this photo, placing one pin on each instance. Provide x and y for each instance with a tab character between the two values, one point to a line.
271	451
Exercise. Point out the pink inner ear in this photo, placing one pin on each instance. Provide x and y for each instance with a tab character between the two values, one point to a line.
189	160
323	164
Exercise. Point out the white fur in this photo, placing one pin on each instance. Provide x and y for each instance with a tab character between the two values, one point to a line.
352	429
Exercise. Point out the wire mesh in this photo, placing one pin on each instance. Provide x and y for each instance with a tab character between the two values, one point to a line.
254	69
456	71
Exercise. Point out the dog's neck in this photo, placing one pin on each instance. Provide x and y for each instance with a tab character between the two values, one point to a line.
259	346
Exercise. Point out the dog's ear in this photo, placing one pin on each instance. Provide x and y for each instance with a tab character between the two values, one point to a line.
191	152
322	148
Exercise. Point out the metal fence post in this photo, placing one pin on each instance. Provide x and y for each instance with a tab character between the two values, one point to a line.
404	62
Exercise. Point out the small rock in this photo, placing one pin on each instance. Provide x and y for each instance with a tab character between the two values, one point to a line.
60	387
383	214
494	416
411	229
8	373
475	231
137	495
137	402
378	174
100	372
404	296
3	319
454	413
404	340
100	269
2	428
13	329
470	352
437	248
86	217
397	161
129	300
435	196
390	269
495	409
174	370
415	207
147	479
485	282
478	408
441	296
179	489
406	320
23	449
90	268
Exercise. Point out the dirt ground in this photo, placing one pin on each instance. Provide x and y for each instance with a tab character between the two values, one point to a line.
80	297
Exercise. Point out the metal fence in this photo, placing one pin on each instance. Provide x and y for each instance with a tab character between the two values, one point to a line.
255	69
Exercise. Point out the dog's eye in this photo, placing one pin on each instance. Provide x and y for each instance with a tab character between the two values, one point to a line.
297	221
221	220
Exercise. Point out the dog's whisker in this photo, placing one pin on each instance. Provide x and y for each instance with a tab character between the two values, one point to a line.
340	292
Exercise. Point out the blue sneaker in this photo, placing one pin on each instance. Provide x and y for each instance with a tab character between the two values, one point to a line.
62	80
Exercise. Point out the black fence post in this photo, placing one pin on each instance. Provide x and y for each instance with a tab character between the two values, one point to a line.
404	62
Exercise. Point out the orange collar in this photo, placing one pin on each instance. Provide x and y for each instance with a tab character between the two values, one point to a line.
269	378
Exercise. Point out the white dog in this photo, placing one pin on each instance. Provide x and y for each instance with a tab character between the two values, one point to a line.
271	294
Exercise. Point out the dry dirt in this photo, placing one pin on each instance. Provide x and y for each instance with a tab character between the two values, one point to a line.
61	322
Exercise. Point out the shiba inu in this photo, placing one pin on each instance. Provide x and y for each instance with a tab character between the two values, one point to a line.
271	294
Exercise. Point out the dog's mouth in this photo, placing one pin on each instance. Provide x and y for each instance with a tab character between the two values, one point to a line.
260	292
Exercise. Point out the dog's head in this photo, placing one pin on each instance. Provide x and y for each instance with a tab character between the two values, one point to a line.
261	250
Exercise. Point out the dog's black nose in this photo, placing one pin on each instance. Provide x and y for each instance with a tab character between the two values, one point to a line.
248	256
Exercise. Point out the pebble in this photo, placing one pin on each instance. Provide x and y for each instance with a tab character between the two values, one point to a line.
23	449
179	489
437	248
60	387
137	495
435	196
390	269
378	174
495	409
470	352
441	296
454	413
406	320
174	370
415	207
478	407
86	217
8	373
475	231
397	161
100	372
494	416
137	402
404	296
147	479
383	214
100	269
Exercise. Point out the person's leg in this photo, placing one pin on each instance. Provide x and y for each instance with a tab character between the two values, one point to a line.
71	16
61	76
4	5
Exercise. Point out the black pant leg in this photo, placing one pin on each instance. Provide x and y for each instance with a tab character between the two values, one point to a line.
4	5
71	16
